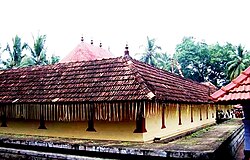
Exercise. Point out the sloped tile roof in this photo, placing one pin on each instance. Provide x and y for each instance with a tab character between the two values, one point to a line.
238	89
86	52
168	86
212	87
111	79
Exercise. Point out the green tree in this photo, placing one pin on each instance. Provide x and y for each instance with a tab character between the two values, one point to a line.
38	52
163	61
194	59
220	55
239	62
168	63
150	51
54	59
27	61
15	53
202	62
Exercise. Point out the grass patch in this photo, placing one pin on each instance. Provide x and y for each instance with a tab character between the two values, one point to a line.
199	133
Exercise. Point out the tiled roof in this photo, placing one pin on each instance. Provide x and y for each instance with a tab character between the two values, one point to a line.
238	89
121	78
86	52
211	86
168	86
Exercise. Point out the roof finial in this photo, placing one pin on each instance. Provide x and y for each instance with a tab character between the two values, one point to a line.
126	52
82	39
91	42
100	44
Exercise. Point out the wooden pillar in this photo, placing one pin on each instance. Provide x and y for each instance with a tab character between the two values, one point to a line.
179	110
91	116
140	118
246	121
42	120
213	108
207	110
216	112
200	112
192	114
4	119
163	116
42	123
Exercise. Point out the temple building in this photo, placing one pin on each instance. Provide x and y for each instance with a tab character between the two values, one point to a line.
109	99
86	52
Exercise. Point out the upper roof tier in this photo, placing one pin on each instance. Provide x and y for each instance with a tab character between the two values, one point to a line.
114	79
86	52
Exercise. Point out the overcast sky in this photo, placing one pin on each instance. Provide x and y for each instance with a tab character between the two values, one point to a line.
117	22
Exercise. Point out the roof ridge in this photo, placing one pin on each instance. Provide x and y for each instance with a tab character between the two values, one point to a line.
90	60
138	77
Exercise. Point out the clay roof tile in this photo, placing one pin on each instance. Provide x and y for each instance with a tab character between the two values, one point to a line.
237	90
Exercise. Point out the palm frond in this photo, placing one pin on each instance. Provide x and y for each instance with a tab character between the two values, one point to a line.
27	61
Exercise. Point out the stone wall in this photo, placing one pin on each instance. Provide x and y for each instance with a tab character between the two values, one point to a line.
10	153
229	147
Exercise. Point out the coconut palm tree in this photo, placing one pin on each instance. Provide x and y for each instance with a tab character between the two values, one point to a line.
15	53
163	61
239	62
148	56
166	62
38	52
27	61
